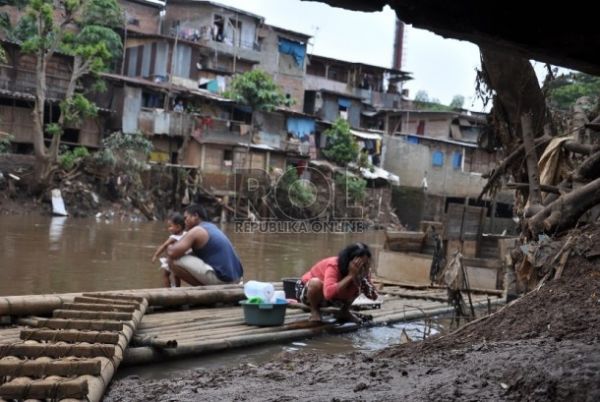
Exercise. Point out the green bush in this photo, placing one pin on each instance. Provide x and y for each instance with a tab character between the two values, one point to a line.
353	187
5	143
342	147
69	159
126	152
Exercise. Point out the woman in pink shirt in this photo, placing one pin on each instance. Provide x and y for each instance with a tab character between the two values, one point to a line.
337	281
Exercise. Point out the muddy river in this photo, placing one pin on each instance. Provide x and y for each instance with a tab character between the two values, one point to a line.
46	255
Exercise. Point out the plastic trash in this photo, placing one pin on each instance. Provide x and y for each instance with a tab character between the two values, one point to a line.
264	290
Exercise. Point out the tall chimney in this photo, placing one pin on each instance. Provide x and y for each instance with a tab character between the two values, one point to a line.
398	45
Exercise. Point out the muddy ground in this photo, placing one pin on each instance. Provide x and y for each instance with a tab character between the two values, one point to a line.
542	347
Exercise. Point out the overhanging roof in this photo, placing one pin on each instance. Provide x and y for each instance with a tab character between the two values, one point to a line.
365	135
565	34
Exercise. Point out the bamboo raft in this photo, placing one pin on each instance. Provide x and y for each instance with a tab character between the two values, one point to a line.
82	330
72	355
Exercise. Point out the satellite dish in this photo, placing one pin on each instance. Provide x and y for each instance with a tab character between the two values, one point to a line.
199	66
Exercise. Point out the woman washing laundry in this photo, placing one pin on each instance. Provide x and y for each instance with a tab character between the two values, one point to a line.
338	281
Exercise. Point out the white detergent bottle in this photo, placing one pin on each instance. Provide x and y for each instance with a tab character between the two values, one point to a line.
264	290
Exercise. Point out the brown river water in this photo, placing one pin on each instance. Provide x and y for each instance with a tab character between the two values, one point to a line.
58	255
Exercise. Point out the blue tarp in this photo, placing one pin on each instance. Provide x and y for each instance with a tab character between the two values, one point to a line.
344	103
295	49
213	86
412	139
300	127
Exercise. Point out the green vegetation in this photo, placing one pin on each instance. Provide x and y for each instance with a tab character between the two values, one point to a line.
300	193
86	30
5	143
124	152
68	159
256	89
354	187
423	102
567	88
342	147
457	102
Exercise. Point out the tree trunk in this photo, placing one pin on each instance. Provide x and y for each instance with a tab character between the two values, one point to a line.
517	88
517	91
535	194
566	210
39	147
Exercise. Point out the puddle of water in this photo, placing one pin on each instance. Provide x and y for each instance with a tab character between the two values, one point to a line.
364	340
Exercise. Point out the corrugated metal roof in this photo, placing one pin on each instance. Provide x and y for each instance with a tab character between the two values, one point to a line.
366	135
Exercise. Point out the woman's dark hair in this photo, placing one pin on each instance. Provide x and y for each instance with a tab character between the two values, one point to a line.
197	209
177	219
349	253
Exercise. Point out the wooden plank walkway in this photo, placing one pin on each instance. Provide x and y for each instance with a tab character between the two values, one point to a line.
72	355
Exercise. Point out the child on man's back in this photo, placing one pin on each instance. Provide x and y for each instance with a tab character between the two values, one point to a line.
176	228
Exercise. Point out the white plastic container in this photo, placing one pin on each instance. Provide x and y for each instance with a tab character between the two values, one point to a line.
264	290
277	295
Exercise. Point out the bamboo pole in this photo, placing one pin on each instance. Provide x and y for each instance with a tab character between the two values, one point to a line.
60	323
15	367
99	307
53	387
190	345
198	295
153	341
91	315
71	336
97	300
97	384
55	350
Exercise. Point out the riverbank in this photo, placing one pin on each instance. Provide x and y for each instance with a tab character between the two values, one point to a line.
541	347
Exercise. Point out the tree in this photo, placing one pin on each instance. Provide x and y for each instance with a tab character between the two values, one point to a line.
567	88
83	30
422	96
424	102
342	147
257	90
457	102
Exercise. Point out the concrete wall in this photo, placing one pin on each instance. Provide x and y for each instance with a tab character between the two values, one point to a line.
412	161
435	126
316	83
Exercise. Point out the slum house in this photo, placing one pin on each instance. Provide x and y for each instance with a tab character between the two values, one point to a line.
232	34
446	163
170	89
337	88
17	89
283	56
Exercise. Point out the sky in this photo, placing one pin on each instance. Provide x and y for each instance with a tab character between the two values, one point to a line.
441	67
